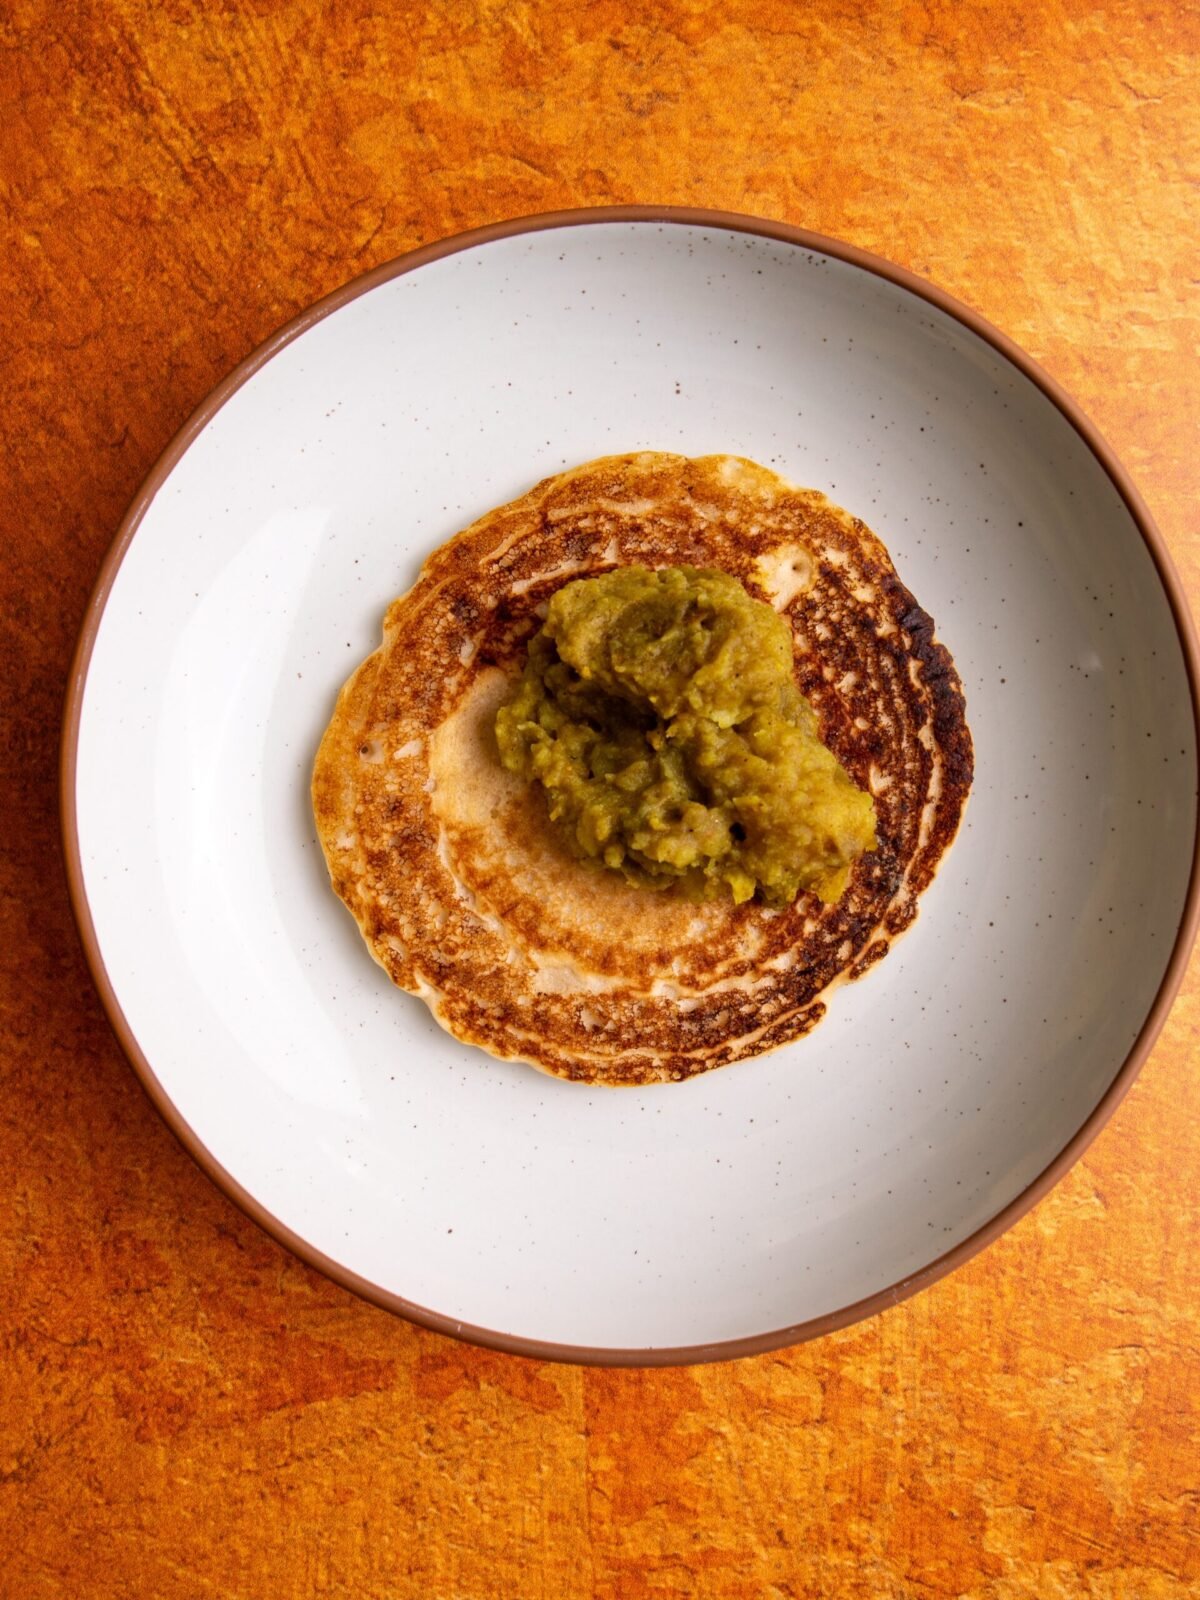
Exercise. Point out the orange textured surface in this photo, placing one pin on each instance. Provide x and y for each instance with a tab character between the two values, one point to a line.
184	1410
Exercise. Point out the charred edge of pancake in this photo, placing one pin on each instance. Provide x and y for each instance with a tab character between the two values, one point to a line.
385	838
953	737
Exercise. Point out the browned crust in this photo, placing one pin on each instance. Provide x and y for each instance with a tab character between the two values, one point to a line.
430	1317
461	888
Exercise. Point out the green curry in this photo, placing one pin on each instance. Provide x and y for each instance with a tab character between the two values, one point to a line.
658	712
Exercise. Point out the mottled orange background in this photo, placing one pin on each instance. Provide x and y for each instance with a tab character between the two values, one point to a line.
185	1412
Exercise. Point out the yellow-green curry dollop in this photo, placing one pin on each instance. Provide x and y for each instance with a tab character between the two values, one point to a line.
659	713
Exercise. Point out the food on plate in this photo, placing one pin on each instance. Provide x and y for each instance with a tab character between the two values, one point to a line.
510	921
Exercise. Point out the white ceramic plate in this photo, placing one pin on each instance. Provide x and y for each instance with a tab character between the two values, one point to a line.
779	1197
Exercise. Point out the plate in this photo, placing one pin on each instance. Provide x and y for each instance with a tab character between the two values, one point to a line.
772	1200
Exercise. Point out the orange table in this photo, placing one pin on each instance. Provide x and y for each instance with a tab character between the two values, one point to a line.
185	1411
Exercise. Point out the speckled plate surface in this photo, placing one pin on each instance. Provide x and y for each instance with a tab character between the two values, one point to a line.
777	1198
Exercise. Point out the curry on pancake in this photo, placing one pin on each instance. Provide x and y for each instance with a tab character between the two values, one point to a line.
466	890
658	713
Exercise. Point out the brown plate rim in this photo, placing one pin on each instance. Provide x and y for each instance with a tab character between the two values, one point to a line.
776	1338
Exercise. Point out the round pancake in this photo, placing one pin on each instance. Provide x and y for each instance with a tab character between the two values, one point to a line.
460	884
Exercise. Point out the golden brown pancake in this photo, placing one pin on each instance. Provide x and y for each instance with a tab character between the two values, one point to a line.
461	885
